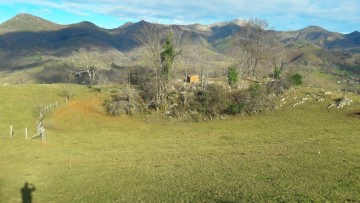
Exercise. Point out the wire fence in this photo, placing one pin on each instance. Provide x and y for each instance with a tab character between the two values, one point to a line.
40	127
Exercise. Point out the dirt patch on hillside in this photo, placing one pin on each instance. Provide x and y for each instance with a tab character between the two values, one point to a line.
355	114
91	107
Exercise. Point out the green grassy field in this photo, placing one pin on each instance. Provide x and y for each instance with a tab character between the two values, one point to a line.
308	153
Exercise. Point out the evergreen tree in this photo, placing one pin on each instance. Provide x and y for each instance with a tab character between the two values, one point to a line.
232	76
168	56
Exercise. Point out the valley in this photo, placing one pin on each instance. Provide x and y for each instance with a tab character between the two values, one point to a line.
225	112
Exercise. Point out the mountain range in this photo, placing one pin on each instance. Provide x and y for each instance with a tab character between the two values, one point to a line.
25	34
34	32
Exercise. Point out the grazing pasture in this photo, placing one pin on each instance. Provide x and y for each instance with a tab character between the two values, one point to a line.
302	154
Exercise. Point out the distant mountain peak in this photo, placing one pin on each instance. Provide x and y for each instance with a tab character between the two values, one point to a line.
25	15
314	28
240	22
84	24
237	22
143	22
26	22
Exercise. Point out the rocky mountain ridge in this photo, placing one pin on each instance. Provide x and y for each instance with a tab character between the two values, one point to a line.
25	35
41	33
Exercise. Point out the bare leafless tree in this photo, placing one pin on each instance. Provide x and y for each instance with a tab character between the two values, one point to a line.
252	41
278	57
156	39
88	61
152	38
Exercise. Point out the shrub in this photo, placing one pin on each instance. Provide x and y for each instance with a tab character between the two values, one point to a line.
126	101
235	108
212	101
252	100
56	73
115	106
232	76
277	73
296	79
279	86
147	88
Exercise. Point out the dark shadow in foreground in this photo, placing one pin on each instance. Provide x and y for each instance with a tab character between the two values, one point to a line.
26	192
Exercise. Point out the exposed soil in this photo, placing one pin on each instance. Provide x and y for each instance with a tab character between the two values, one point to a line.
355	114
89	107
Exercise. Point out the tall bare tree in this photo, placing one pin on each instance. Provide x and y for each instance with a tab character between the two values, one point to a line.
252	41
88	61
162	48
278	58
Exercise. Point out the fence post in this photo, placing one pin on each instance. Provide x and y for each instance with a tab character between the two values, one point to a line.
26	133
11	131
42	134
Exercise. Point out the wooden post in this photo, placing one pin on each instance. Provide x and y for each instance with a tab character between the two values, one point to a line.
66	99
186	71
26	133
11	131
201	77
42	134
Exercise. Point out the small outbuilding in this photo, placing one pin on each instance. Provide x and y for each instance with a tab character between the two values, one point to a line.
192	79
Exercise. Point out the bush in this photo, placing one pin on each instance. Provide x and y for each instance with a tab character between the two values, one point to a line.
236	108
126	101
232	76
296	79
212	101
252	100
116	106
277	73
56	73
279	86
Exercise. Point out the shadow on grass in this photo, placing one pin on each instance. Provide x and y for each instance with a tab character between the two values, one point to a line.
26	192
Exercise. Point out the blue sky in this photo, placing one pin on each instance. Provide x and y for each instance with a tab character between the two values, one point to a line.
334	15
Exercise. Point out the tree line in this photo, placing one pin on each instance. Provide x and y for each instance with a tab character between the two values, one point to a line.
151	86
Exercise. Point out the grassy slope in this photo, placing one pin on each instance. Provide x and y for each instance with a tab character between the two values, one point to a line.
324	80
89	157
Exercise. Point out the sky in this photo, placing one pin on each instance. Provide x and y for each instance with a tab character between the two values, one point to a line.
334	15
